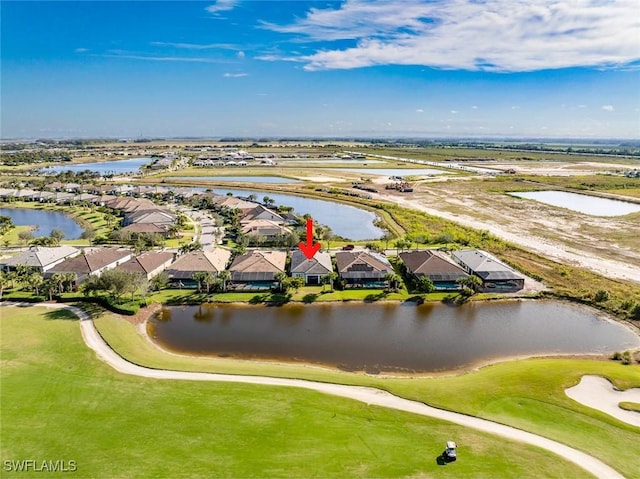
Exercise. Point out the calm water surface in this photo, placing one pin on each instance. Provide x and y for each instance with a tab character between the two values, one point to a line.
346	221
590	205
388	337
45	220
244	179
117	167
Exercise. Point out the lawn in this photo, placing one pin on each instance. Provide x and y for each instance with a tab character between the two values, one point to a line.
528	394
60	403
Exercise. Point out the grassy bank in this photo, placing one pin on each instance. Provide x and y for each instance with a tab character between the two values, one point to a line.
61	403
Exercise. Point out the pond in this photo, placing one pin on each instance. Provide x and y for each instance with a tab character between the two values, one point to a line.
389	337
243	179
345	220
590	205
117	167
395	171
44	220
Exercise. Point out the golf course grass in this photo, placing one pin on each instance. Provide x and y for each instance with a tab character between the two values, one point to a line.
59	402
528	394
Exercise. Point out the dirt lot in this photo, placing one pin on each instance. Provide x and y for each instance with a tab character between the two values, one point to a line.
609	246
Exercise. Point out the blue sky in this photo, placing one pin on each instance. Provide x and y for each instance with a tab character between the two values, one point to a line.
541	68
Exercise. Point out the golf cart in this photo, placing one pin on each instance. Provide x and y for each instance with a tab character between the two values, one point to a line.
450	453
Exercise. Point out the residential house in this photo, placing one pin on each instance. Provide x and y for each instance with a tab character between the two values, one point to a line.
495	275
363	268
93	261
261	212
312	270
434	265
149	263
257	270
269	230
182	270
40	258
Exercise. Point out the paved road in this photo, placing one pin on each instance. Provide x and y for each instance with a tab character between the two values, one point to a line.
370	396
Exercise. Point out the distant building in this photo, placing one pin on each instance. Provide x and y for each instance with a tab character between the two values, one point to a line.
149	264
183	269
93	261
257	270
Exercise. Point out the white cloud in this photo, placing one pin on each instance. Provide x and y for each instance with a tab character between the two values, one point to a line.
240	54
160	58
221	6
491	35
607	107
454	112
195	46
81	50
235	75
474	107
419	110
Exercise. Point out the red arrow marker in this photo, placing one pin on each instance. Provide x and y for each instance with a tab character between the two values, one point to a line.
310	248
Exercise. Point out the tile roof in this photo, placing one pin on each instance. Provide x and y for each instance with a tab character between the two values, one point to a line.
362	261
40	256
258	265
432	265
212	261
485	265
147	262
92	260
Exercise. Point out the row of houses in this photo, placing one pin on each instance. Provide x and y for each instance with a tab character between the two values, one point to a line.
258	270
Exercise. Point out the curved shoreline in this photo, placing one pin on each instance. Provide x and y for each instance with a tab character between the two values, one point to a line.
367	395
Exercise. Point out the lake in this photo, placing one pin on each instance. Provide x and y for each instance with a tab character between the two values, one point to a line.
116	167
395	171
45	220
345	220
590	205
389	337
244	179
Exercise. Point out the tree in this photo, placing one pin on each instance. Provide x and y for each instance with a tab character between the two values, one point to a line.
252	197
470	284
141	285
5	224
329	279
281	279
70	279
49	288
393	280
296	282
58	280
25	236
160	281
35	281
425	285
328	235
189	247
4	282
199	278
224	276
56	236
268	201
386	237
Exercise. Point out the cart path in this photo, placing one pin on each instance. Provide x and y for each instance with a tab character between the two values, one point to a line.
598	393
367	395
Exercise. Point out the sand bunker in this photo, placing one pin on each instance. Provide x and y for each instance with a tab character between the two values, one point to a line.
598	393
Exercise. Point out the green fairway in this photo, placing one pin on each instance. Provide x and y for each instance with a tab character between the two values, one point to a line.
527	394
60	403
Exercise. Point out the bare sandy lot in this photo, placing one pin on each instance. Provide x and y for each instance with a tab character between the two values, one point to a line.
608	246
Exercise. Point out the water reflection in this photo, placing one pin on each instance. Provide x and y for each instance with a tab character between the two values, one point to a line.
390	337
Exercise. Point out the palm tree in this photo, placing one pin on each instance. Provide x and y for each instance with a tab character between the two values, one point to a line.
208	280
58	280
470	284
35	281
393	280
329	278
70	280
280	278
4	282
199	277
224	276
